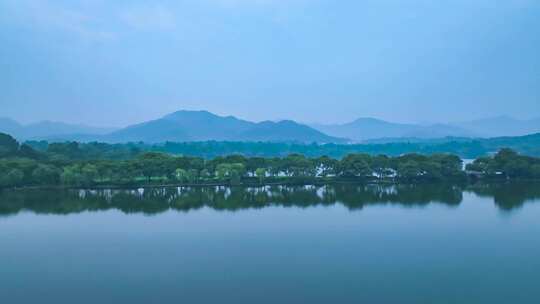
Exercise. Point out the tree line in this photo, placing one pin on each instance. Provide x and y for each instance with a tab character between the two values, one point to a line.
71	164
506	164
463	147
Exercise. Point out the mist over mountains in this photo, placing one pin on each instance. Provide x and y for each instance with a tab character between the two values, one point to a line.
502	126
180	126
184	126
45	129
371	128
368	129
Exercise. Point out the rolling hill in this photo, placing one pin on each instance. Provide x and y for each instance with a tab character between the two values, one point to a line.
184	126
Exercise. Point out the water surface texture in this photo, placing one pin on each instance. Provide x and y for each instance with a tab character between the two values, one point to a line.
331	244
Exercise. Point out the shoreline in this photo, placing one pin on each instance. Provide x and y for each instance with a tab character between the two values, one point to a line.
467	182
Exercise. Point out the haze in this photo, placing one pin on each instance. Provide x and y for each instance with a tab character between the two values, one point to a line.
113	63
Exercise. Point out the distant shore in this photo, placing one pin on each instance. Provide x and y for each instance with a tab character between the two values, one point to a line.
70	165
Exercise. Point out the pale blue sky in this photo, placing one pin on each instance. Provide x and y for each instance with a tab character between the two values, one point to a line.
117	62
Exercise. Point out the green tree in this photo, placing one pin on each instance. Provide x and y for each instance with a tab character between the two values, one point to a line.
381	165
71	175
255	163
13	177
450	165
430	170
535	171
480	164
326	166
155	164
298	165
46	175
27	151
231	172
8	145
355	165
222	171
68	150
261	174
89	173
409	170
182	175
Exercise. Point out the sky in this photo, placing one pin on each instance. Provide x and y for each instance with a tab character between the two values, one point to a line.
113	63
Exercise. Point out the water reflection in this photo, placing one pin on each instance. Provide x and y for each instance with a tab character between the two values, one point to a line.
355	197
508	196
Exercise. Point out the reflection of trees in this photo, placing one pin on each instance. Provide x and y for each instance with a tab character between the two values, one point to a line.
157	200
508	195
48	202
405	195
352	196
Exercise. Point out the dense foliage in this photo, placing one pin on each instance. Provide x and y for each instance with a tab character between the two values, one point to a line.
463	147
508	164
74	164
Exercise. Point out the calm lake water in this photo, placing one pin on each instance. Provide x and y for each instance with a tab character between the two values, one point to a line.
332	244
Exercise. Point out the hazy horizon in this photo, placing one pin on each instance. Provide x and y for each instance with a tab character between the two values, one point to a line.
25	123
113	64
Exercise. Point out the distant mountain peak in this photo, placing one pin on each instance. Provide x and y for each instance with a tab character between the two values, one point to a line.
201	113
288	121
201	125
187	125
370	119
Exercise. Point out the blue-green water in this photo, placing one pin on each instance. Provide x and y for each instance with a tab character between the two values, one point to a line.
342	244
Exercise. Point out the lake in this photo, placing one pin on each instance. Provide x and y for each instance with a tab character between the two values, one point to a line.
330	244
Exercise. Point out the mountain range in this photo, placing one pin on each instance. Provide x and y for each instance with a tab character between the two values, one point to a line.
203	125
182	126
371	128
502	126
44	129
368	129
